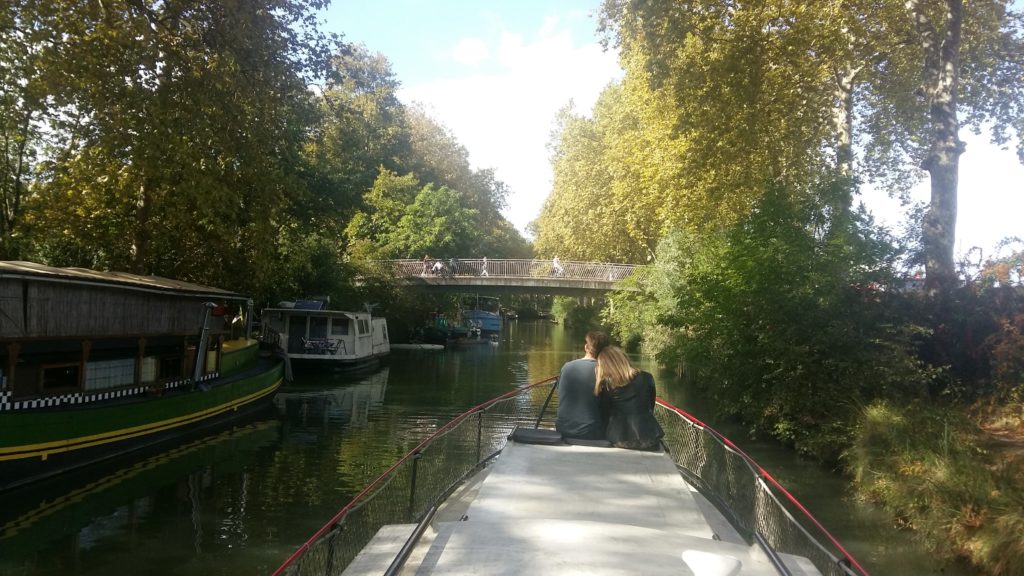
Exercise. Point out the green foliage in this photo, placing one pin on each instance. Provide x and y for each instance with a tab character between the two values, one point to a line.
617	183
786	320
929	466
403	220
363	129
581	313
174	132
773	91
437	221
183	139
437	158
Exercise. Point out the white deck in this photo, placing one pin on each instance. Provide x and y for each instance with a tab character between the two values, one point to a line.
577	510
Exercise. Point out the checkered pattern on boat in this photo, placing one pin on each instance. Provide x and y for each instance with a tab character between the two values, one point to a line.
8	404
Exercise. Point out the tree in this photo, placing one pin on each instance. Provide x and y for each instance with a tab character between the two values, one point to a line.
618	179
177	131
437	222
780	84
383	207
782	325
438	158
363	129
21	107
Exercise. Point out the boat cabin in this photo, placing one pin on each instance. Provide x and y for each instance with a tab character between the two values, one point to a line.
306	330
71	335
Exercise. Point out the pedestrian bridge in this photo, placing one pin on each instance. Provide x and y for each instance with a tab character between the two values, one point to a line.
512	276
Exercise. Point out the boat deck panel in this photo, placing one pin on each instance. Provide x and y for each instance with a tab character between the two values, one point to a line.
582	510
571	547
378	554
609	485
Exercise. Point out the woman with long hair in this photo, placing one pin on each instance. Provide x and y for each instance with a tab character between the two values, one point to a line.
628	396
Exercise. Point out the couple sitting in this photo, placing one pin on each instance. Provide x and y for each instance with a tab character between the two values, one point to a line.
602	397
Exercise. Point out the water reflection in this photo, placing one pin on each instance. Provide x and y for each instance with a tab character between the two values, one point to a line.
317	402
88	518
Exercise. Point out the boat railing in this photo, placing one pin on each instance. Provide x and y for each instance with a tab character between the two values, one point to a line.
418	481
750	498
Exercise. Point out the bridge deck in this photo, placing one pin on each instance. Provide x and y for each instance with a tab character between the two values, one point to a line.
507	276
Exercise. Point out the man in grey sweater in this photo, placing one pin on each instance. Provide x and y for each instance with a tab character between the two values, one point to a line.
579	412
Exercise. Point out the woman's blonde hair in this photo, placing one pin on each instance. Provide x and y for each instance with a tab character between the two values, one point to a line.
613	369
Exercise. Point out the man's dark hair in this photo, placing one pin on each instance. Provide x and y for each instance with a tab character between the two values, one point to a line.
596	341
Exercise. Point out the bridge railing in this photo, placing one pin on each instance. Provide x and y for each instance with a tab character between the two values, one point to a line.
511	268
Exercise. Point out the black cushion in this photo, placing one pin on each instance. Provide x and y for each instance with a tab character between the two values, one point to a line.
536	436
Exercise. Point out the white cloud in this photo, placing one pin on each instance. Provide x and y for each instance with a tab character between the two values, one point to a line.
504	115
470	51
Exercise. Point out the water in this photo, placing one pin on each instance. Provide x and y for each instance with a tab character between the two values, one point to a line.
239	501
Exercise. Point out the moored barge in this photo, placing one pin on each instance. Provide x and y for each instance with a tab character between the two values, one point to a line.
98	364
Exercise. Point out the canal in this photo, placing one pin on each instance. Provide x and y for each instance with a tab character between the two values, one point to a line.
240	500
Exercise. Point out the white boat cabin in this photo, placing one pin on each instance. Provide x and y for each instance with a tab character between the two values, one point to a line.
305	330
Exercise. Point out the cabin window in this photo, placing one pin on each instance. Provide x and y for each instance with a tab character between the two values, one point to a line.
318	327
339	327
102	374
60	378
170	368
364	326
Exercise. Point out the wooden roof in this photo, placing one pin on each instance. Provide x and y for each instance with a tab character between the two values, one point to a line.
123	280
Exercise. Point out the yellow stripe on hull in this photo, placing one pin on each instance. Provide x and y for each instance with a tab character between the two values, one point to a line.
45	449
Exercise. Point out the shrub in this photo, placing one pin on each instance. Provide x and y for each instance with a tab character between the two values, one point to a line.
787	320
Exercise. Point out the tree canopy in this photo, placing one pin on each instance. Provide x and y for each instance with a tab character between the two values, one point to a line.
228	143
789	93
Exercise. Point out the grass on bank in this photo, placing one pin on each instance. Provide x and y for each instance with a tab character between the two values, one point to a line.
939	473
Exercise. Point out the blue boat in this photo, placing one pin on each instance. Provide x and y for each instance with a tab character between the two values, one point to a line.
483	312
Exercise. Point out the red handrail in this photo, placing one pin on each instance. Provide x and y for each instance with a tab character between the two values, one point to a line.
766	475
341	513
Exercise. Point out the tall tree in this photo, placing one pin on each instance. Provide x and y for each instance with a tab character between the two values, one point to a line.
179	127
23	111
437	157
619	183
940	37
806	74
363	128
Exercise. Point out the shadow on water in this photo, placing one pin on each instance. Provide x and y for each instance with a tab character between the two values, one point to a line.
240	500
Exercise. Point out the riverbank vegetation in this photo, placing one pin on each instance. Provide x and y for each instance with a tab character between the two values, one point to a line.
730	157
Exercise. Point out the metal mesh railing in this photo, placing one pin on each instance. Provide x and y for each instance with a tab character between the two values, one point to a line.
744	492
419	480
747	495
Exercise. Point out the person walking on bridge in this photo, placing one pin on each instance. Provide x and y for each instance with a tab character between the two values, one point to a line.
579	410
483	268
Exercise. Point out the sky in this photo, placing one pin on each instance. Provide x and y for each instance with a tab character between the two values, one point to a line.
496	74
